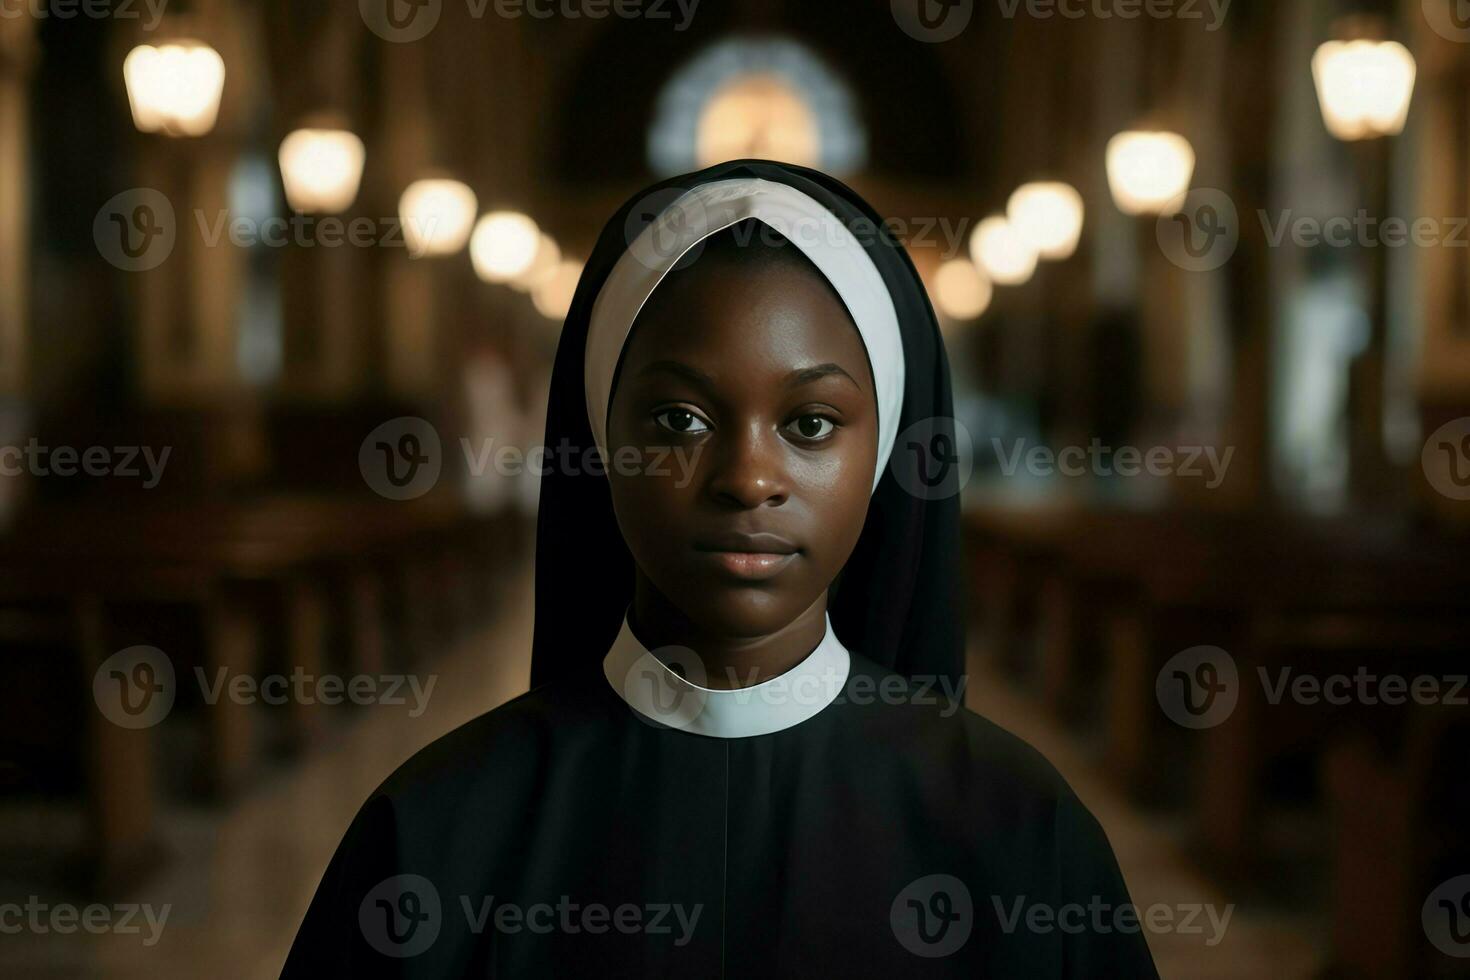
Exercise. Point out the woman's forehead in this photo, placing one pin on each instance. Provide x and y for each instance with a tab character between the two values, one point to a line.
761	315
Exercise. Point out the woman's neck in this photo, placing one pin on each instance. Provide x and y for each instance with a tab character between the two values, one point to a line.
729	661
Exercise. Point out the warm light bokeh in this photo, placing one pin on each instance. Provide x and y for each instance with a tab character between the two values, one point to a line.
758	116
1002	254
961	290
1364	87
504	245
437	215
1048	217
321	169
174	88
1149	172
553	297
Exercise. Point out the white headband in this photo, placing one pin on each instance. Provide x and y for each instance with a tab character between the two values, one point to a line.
708	209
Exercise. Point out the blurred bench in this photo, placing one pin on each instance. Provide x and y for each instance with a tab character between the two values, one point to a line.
208	583
1111	595
1399	810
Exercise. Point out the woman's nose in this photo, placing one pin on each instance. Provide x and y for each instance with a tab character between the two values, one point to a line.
749	468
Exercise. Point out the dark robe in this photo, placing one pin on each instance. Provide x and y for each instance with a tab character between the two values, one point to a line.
563	834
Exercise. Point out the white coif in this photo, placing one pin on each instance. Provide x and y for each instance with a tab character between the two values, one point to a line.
711	208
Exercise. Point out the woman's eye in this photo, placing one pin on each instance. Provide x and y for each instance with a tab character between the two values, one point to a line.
811	427
681	420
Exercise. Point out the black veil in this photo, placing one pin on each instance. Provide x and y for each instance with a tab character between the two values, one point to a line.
898	600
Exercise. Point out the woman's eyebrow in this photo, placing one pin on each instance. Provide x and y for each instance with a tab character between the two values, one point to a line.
807	375
681	369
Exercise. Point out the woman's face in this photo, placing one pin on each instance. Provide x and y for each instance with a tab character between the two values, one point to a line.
752	384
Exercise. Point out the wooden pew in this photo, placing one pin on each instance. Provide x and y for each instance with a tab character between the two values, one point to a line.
202	560
1398	809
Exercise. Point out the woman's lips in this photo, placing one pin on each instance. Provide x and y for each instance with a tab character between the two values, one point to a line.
750	565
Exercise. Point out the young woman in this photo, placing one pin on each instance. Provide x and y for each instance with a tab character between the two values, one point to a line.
737	758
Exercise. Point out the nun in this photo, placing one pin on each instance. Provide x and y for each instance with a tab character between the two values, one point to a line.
744	752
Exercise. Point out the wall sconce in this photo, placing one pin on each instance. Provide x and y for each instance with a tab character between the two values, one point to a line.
437	214
174	88
1000	253
504	245
1149	171
1048	217
321	169
1364	87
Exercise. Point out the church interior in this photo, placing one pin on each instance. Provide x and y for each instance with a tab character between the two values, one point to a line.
280	288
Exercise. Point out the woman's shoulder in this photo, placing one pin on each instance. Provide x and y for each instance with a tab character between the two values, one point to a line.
925	719
503	747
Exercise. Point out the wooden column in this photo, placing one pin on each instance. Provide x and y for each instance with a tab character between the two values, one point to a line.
17	57
121	786
232	644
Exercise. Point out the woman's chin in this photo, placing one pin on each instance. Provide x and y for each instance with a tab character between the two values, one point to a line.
744	610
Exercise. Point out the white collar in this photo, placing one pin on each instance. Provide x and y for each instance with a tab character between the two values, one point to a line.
661	695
